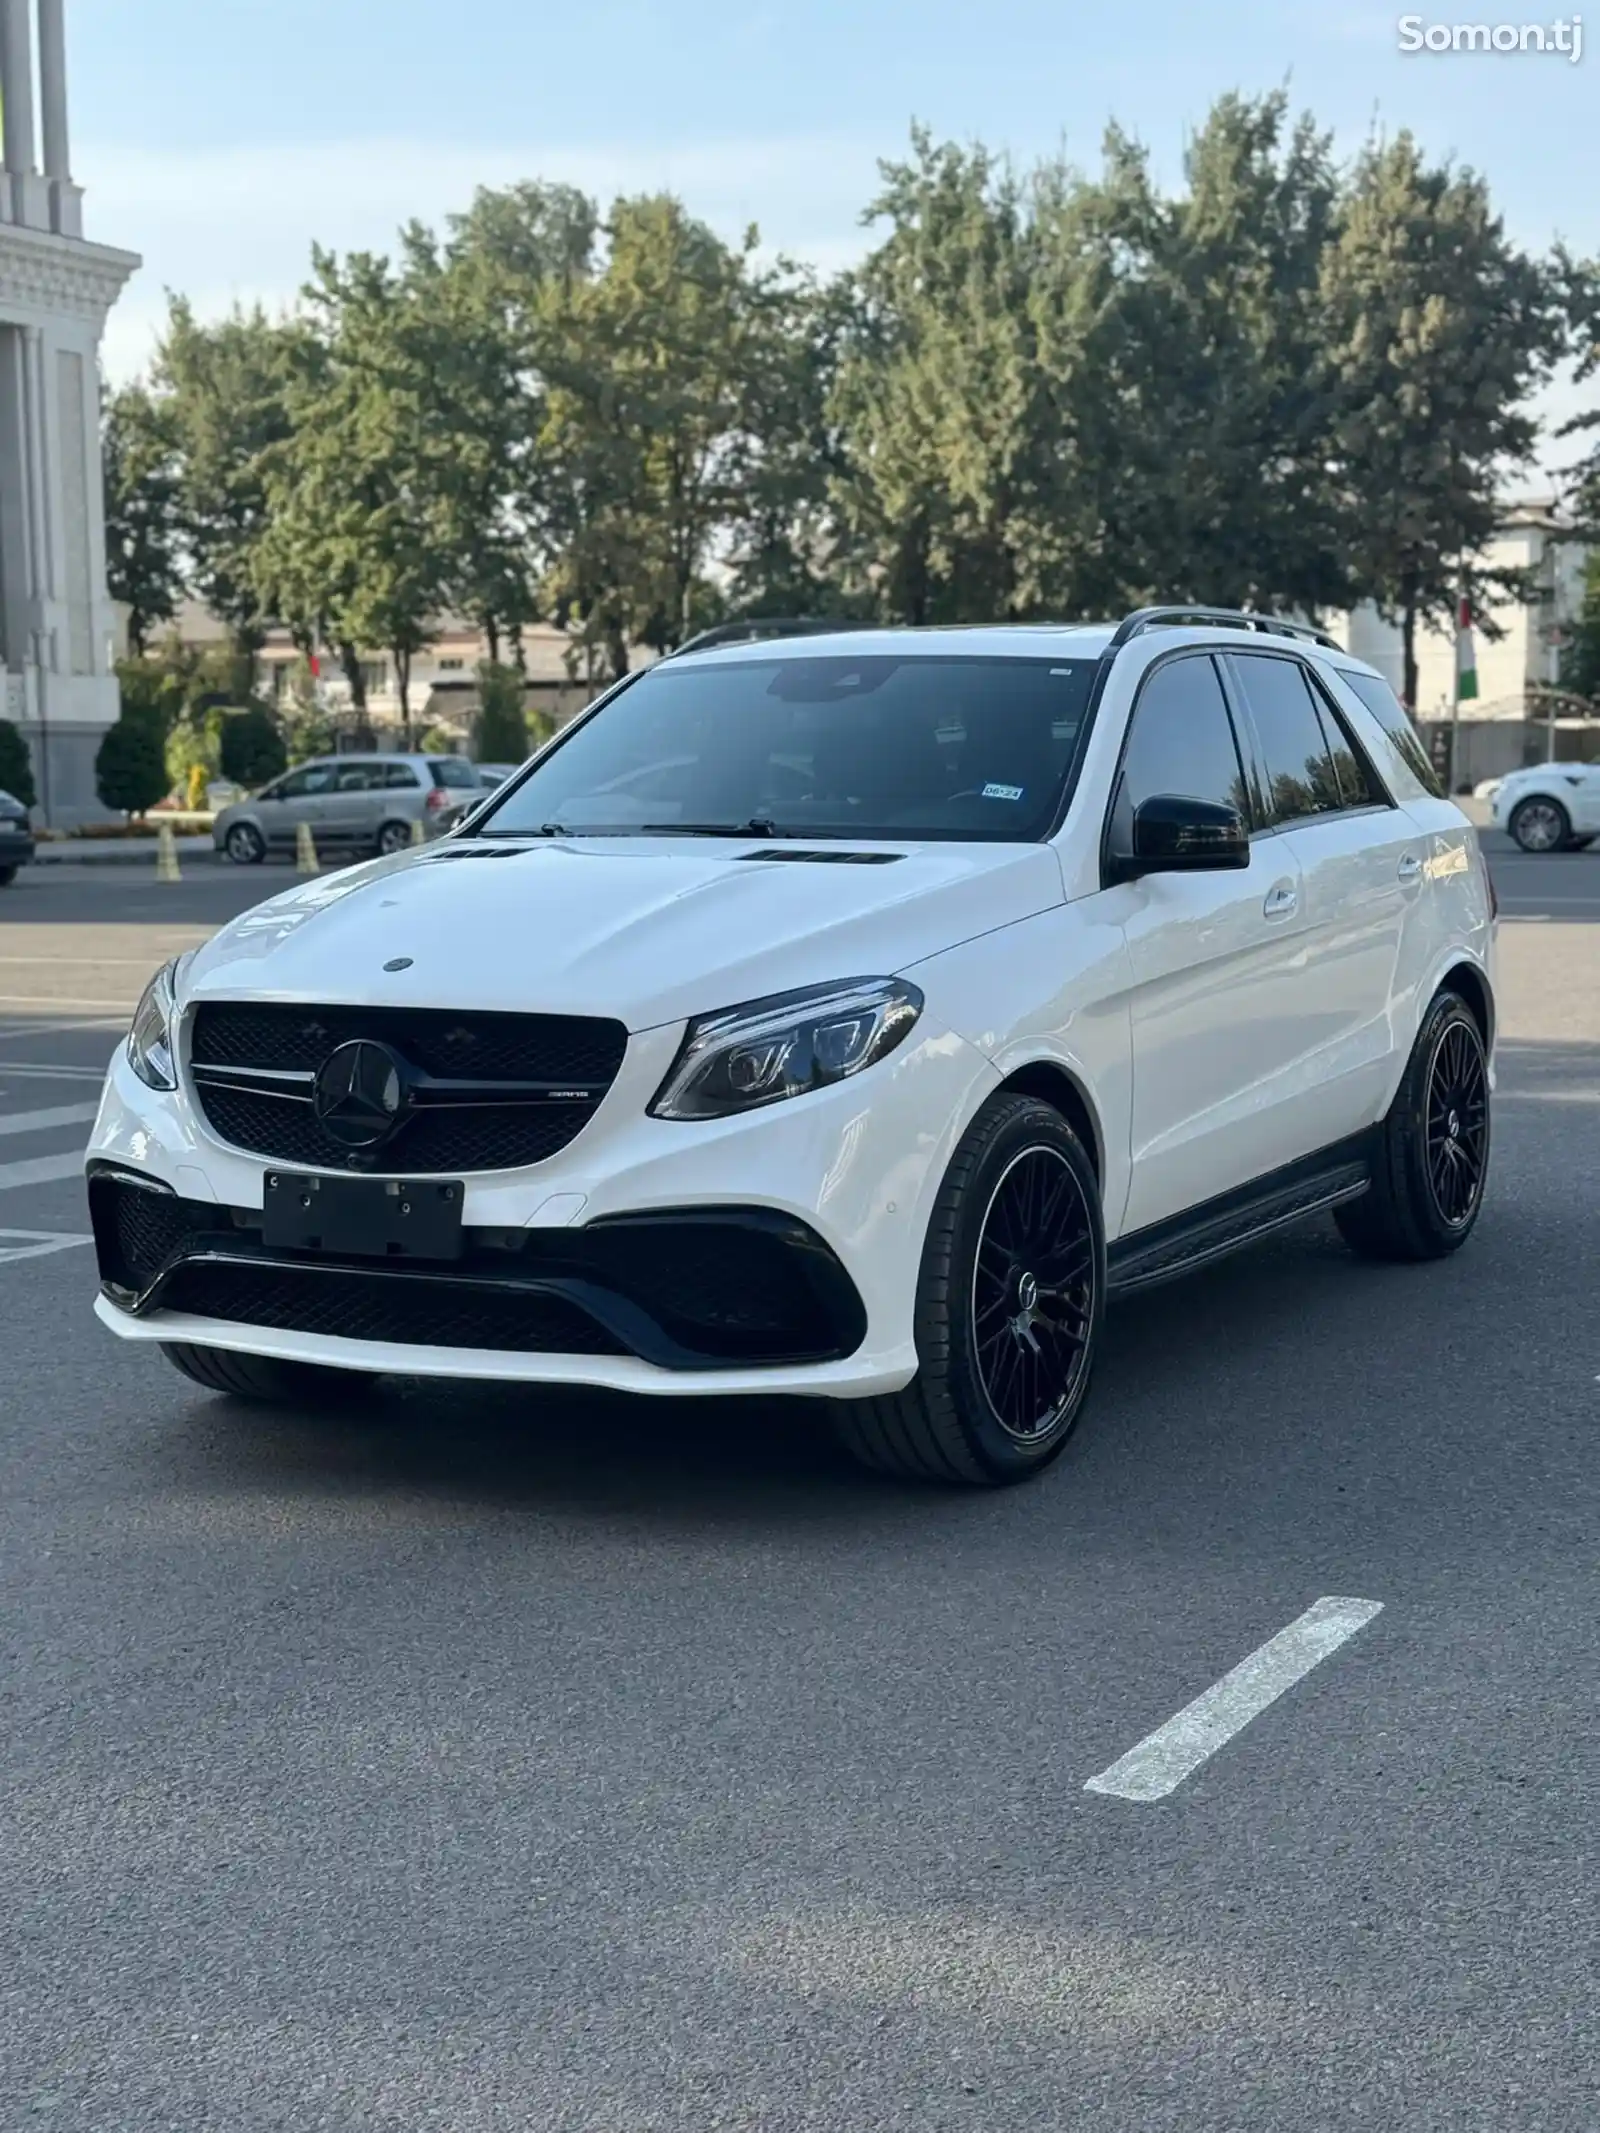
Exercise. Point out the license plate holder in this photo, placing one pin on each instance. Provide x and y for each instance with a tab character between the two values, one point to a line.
362	1218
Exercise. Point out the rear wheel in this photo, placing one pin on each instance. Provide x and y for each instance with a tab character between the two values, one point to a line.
1433	1149
263	1377
245	845
1009	1303
1540	824
392	838
7	876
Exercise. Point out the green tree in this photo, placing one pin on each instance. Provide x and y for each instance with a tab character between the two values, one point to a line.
501	735
223	391
157	688
252	748
130	771
1439	328
16	765
143	480
1580	656
353	551
646	438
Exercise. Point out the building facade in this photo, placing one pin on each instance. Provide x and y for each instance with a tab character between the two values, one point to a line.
56	626
1519	715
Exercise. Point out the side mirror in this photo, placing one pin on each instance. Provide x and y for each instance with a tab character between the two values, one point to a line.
1172	833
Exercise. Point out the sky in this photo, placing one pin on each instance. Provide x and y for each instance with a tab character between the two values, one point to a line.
218	138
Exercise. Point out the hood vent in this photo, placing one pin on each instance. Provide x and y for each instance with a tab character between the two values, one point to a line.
476	851
790	856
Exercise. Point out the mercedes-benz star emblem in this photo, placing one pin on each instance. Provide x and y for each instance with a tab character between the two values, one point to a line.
359	1093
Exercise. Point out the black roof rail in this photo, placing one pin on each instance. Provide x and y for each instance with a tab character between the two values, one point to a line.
755	629
1145	618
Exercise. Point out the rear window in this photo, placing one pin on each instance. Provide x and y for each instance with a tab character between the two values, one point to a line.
456	771
1387	709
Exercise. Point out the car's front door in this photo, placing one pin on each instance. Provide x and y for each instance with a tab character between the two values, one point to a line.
1216	965
1362	860
297	799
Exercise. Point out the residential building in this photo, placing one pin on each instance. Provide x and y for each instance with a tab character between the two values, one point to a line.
1519	715
56	625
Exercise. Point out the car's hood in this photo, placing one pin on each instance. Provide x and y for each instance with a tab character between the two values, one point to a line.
650	930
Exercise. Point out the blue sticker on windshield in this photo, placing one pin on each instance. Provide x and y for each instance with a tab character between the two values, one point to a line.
1002	792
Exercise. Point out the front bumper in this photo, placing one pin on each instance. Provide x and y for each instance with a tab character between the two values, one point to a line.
830	1193
15	849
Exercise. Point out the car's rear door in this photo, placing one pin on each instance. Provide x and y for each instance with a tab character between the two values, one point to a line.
355	790
1361	860
1217	967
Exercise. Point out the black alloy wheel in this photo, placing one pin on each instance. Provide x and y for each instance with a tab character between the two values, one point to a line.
1033	1294
1457	1123
1009	1303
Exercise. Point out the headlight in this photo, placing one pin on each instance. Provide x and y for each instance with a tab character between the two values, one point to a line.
769	1049
150	1033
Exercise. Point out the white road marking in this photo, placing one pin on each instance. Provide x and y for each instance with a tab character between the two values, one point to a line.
1161	1762
1547	1096
80	962
35	1243
9	1034
42	1121
41	1170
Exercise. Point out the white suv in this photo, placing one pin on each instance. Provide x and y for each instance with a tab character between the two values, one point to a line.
845	1017
1549	807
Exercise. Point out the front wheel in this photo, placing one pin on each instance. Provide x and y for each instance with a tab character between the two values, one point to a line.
1433	1147
245	845
7	876
1010	1299
1540	824
263	1377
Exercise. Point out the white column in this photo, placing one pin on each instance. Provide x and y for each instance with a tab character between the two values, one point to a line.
53	86
29	203
16	84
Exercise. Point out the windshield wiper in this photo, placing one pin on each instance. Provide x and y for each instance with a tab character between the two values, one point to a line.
757	826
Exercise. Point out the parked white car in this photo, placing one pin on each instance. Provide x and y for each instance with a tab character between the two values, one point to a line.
1550	807
845	1017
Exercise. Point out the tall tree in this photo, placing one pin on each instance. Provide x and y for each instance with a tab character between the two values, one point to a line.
143	480
352	553
224	390
646	439
1439	329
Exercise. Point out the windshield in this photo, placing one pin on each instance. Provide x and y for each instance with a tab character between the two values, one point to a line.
880	747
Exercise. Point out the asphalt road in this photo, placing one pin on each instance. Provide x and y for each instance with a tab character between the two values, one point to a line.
504	1762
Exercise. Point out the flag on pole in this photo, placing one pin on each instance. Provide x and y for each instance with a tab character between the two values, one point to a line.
1466	654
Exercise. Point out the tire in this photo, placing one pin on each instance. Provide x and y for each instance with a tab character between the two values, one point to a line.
946	1424
7	876
263	1377
1424	1202
1540	824
245	845
393	837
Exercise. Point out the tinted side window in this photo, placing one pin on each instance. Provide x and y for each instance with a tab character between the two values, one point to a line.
398	777
359	777
1181	740
1358	787
1385	707
1301	779
316	777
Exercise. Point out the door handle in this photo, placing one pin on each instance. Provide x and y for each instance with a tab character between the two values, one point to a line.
1410	868
1282	898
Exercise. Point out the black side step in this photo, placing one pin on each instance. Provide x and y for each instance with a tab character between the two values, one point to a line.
1217	1227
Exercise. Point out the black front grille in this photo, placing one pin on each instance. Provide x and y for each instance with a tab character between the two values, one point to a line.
456	1124
138	1229
385	1307
459	1047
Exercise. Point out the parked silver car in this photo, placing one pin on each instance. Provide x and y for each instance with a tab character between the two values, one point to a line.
351	804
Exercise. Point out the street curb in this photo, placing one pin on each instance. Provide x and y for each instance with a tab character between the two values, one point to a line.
131	854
